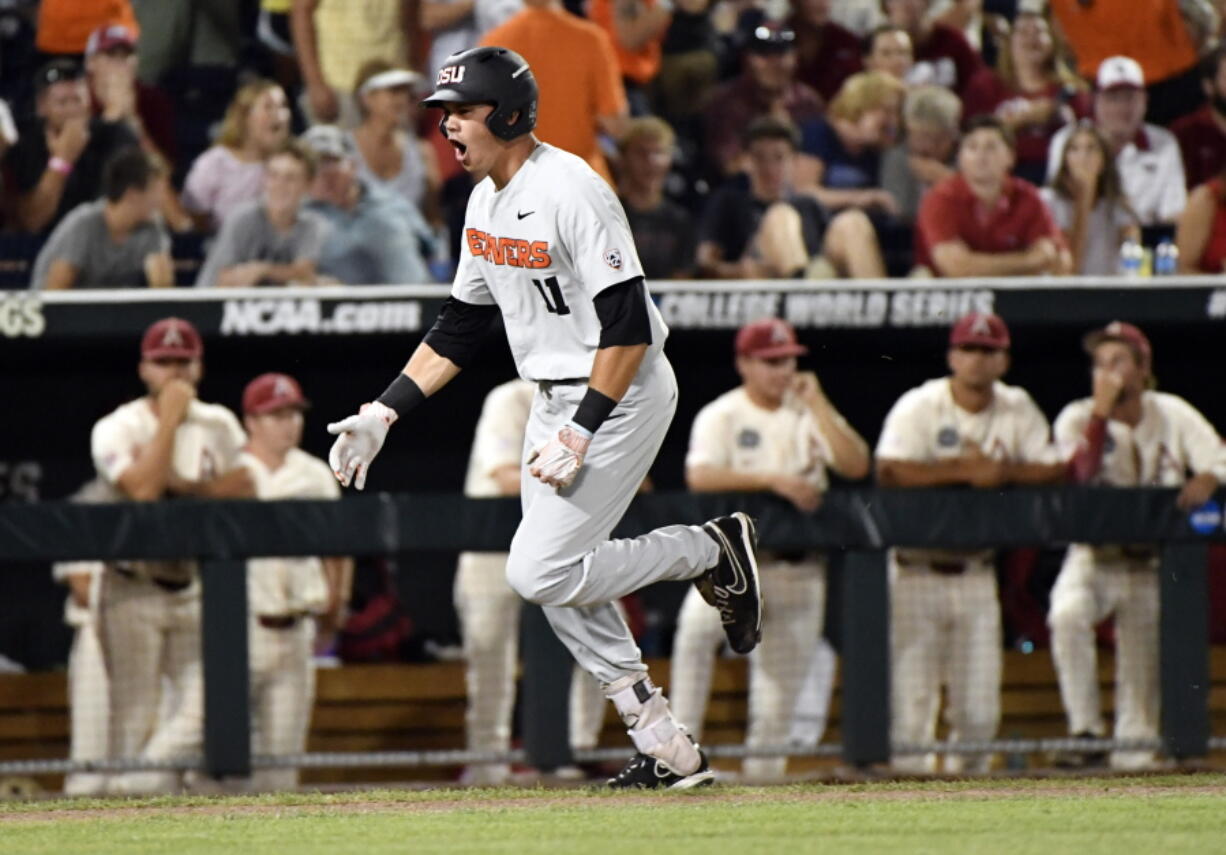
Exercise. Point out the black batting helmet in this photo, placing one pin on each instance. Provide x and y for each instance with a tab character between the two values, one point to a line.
489	75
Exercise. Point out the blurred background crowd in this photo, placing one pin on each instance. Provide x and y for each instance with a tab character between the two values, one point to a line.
237	143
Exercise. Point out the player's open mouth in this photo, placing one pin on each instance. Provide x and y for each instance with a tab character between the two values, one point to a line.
460	149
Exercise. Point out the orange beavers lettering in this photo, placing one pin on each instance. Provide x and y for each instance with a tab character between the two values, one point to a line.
511	252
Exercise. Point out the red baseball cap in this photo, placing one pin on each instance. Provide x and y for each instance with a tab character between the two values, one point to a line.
109	37
980	329
769	338
171	338
273	391
1124	332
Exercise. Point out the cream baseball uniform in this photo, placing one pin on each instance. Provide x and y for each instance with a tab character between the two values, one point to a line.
733	432
88	689
541	249
150	610
489	609
286	589
945	614
1100	581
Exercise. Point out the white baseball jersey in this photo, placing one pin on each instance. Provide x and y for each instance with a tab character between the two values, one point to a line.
289	586
1171	438
541	249
735	433
926	426
207	444
499	438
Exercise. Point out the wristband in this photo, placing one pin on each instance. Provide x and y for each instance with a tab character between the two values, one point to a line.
58	164
402	395
593	410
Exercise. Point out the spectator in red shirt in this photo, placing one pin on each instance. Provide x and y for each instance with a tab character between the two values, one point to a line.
767	86
985	222
1031	90
943	56
110	64
888	49
1201	231
826	53
1202	135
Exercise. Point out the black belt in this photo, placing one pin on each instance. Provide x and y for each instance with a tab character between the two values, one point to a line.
278	621
945	568
171	585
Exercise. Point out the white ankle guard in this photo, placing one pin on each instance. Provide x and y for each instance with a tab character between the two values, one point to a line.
651	725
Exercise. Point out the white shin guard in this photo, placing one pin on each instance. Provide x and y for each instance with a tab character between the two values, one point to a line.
653	729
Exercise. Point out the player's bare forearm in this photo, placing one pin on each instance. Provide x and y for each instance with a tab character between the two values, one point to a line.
910	473
1036	473
429	370
720	479
146	479
849	450
614	368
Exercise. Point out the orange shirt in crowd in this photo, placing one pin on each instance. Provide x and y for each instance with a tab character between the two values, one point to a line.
64	25
576	70
639	65
1150	31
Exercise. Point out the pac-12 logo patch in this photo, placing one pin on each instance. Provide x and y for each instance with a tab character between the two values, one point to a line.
613	258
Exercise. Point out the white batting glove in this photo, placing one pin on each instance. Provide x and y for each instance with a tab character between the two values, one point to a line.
558	461
358	440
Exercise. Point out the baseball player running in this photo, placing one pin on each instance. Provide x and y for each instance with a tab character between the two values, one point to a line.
968	428
284	595
163	444
489	608
548	246
776	432
1124	435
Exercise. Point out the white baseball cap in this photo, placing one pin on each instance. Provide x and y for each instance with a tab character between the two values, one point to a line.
1120	72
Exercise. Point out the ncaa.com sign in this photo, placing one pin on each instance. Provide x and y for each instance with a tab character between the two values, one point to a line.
270	316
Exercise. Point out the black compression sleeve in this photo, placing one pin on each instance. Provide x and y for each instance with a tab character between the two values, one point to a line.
402	395
622	309
458	331
593	410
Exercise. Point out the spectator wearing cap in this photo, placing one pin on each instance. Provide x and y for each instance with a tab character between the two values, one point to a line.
286	596
115	242
57	163
636	29
943	56
843	148
576	68
118	96
64	26
1032	90
888	49
1125	434
1147	156
765	87
932	119
231	172
1202	135
332	42
373	237
983	221
272	240
663	230
388	152
965	429
826	53
763	230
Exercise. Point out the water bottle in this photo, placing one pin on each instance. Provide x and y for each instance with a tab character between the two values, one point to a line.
1131	256
1166	258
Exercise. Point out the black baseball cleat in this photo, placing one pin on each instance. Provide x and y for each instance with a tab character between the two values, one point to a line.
644	772
732	584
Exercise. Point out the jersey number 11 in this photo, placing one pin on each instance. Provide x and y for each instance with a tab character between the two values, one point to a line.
558	306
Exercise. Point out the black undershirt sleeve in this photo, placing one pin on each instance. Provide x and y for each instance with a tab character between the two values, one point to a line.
622	309
458	330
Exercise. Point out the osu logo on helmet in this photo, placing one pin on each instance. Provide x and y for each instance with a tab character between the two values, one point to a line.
450	74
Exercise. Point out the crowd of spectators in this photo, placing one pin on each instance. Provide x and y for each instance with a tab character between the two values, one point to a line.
867	108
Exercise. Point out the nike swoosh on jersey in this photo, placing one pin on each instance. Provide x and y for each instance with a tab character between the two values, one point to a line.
520	215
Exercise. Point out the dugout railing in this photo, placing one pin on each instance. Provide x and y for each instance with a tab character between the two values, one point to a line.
855	526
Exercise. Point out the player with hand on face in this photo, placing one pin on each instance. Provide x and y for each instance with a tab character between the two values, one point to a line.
1124	435
546	243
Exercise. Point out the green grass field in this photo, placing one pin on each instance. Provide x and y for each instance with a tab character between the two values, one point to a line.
1116	816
